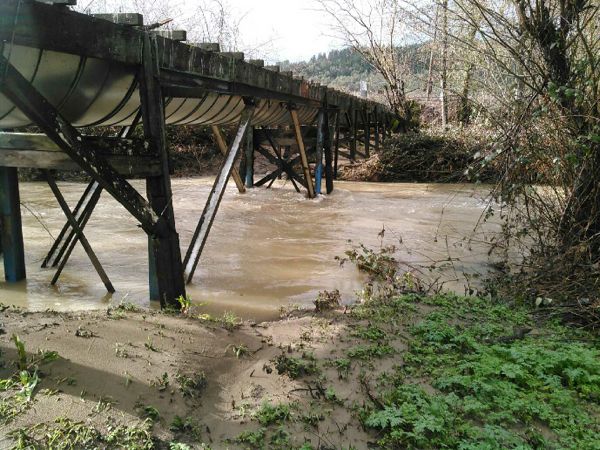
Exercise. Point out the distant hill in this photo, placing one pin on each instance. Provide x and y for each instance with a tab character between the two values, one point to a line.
344	69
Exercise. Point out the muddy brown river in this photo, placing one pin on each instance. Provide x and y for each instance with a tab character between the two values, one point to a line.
267	249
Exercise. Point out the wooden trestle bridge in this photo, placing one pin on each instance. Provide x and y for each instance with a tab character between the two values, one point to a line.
62	72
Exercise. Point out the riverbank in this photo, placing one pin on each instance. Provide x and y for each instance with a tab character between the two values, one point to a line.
394	371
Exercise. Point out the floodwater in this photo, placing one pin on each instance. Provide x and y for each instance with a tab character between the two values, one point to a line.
267	249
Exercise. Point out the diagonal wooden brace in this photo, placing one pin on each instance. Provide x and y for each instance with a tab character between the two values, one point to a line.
84	242
223	148
82	212
25	97
305	167
216	194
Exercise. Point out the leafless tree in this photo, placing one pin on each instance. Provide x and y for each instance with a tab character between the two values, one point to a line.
376	29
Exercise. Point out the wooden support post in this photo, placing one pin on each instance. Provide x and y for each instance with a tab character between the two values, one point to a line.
354	131
249	155
367	134
167	276
216	194
223	148
327	148
319	151
302	150
337	145
84	242
11	232
377	144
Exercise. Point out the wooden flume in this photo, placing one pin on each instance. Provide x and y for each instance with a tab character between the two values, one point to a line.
61	70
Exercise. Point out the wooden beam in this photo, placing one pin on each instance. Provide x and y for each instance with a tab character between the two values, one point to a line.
132	19
84	242
336	145
223	148
305	167
216	195
11	232
249	155
175	35
319	151
79	213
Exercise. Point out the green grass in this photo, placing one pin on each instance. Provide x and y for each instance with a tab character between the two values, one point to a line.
540	391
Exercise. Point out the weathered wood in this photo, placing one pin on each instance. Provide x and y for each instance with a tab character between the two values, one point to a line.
300	142
176	35
249	155
11	232
78	212
336	145
238	56
209	46
44	115
132	19
220	139
377	141
61	30
69	245
367	123
163	240
216	194
319	152
84	242
328	151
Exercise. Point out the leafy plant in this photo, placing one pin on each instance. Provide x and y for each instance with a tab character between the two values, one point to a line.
296	367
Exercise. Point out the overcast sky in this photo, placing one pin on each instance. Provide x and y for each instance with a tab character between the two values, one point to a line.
297	29
291	29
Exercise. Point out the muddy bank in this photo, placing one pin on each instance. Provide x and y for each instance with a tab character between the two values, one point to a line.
400	371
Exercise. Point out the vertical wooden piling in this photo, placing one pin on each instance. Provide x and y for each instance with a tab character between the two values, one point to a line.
327	149
376	113
166	278
10	226
337	145
249	155
367	134
354	131
319	151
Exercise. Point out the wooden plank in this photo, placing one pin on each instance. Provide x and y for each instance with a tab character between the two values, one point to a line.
126	166
305	167
131	19
176	35
216	195
223	148
11	232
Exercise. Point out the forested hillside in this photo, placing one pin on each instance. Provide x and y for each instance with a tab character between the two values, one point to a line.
345	69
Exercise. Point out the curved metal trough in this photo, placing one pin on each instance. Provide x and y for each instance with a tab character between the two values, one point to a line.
61	70
91	92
